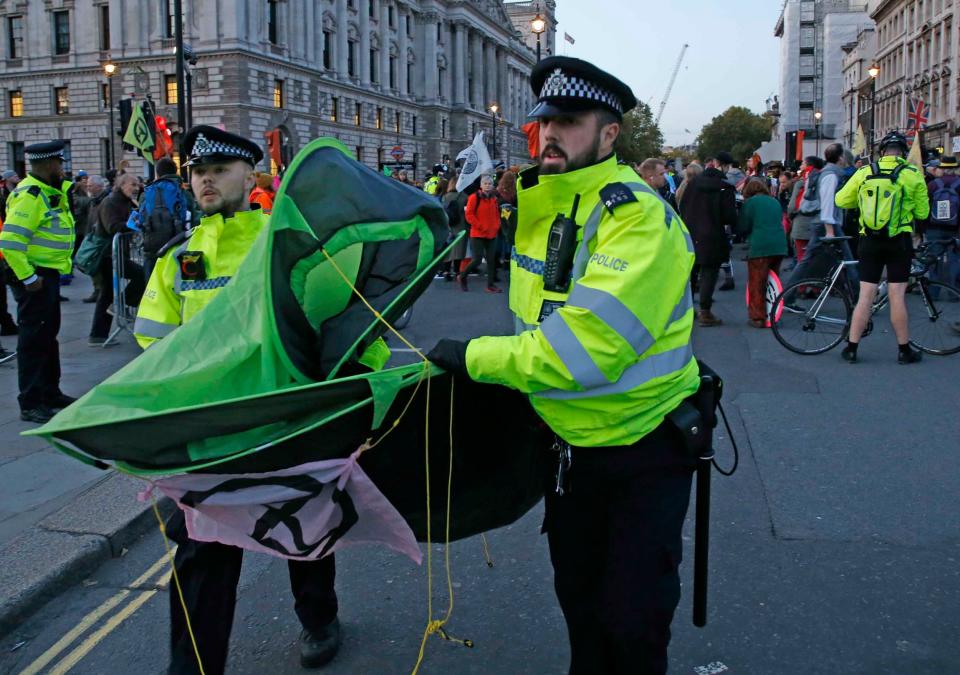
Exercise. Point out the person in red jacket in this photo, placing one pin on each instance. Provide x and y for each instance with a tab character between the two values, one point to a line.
483	215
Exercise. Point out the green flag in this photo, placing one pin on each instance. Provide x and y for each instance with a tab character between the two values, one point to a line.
138	134
387	171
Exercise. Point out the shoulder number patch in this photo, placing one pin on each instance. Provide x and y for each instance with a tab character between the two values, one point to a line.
616	194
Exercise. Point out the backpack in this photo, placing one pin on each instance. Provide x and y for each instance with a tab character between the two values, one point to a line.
810	203
160	216
944	204
881	199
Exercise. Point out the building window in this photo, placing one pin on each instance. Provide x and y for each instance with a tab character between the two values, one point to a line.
360	153
396	122
170	89
171	25
272	22
441	74
352	58
327	47
409	78
334	109
61	33
374	61
104	27
443	128
372	9
358	114
16	103
393	72
61	100
410	23
391	17
278	99
15	37
414	125
105	154
67	157
104	97
439	31
379	118
18	160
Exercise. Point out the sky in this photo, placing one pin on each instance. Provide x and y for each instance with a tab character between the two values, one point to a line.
733	58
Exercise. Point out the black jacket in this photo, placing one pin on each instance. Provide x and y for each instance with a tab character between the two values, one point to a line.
709	204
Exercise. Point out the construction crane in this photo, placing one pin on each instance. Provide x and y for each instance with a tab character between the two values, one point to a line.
673	78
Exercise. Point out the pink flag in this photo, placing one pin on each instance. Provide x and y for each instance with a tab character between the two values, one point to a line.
301	513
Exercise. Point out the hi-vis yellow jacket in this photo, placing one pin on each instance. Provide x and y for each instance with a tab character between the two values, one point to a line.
606	362
170	300
39	229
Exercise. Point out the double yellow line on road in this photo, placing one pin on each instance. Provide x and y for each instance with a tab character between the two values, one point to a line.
144	587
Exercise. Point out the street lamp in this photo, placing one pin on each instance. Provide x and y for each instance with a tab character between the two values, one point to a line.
818	116
109	69
538	26
874	71
494	109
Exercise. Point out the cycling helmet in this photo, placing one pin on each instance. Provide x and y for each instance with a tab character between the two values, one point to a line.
895	138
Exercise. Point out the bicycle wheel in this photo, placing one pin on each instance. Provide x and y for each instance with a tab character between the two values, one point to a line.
806	320
934	319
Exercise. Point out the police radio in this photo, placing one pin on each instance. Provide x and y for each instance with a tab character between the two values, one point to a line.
561	247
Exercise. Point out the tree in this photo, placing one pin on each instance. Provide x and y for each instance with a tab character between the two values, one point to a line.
639	136
736	130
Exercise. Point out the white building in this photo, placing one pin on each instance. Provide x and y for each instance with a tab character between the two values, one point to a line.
418	74
859	56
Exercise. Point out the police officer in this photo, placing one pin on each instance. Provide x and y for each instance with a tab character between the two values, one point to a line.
189	273
600	293
889	247
37	244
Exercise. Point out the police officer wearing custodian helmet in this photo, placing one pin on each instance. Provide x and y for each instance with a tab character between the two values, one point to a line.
603	312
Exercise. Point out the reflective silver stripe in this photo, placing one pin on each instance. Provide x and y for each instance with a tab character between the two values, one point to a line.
13	245
521	326
17	229
572	353
635	376
49	243
56	230
615	314
589	232
152	329
684	306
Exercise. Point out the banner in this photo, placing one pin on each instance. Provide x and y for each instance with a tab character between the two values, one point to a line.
138	133
800	136
859	148
915	156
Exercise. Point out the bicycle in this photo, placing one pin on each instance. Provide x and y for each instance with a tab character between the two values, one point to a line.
812	316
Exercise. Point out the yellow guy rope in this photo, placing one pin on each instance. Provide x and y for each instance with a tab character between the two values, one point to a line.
433	625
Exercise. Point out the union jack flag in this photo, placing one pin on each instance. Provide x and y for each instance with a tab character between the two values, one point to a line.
917	117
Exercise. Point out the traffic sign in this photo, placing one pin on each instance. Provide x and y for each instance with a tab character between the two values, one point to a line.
397	153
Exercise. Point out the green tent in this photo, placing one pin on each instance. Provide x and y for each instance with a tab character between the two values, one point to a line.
285	365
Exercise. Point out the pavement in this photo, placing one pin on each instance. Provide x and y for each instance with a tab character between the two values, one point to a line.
834	547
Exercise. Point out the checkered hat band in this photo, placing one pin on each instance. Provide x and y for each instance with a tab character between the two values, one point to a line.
43	155
569	86
203	146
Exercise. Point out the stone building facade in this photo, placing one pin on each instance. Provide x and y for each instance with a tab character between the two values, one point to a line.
376	74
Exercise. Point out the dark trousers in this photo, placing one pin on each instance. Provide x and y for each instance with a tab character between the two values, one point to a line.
5	317
615	543
38	352
483	248
209	573
705	277
758	269
131	294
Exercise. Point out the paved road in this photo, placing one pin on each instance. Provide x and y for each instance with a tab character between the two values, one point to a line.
835	546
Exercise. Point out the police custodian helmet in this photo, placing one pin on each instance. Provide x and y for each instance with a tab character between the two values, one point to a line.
209	145
563	85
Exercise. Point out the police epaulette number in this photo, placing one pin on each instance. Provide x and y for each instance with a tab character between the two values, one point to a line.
616	194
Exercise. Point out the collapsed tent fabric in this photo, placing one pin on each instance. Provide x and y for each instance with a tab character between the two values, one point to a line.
284	366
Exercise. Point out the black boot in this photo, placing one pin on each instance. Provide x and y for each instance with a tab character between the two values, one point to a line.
908	354
318	649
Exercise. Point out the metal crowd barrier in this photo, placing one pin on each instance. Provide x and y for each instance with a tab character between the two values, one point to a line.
126	248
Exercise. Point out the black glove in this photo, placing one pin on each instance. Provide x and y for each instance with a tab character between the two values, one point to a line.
451	355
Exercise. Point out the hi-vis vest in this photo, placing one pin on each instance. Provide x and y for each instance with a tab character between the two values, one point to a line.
606	362
171	300
430	187
39	228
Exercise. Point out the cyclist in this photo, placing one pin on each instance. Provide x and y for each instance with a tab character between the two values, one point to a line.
891	194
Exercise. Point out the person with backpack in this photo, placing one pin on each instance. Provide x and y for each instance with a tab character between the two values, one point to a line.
892	196
483	215
827	219
942	226
165	212
455	203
